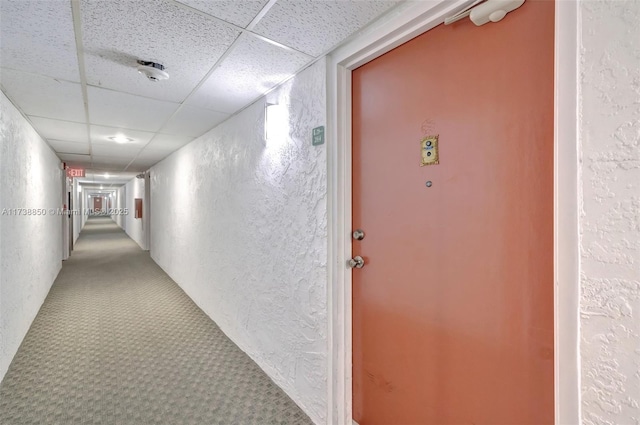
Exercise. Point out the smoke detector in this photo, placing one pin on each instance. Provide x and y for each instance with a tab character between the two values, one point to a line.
152	70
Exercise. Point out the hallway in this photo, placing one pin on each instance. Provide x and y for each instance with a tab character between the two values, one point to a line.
118	342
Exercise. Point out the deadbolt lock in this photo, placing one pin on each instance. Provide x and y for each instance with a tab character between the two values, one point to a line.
358	234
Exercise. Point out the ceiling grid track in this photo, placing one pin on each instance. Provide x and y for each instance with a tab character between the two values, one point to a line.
77	28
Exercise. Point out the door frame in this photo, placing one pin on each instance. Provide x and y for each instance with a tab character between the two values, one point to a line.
404	23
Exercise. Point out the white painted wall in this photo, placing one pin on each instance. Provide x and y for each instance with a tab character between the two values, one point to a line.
610	218
78	207
240	225
133	226
119	204
31	246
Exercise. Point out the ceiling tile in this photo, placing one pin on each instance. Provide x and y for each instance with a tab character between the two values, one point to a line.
251	69
116	109
152	155
194	122
38	37
60	130
100	136
142	164
111	162
120	151
43	96
118	32
166	142
63	147
238	13
80	160
314	27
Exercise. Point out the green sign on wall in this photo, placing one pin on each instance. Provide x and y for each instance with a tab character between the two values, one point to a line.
317	136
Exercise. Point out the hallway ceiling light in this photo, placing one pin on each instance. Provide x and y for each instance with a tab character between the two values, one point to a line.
106	175
121	139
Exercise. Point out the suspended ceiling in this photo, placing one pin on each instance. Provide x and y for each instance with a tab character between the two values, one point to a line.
70	67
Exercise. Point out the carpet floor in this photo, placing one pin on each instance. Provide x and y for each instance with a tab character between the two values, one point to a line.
118	342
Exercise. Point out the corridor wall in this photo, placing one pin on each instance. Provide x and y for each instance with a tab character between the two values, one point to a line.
133	226
609	99
30	244
240	224
119	204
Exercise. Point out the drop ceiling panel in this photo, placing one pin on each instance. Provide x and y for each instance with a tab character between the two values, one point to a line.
117	109
252	68
240	14
60	130
192	121
44	96
120	151
314	27
152	155
118	32
72	159
63	147
110	162
100	136
142	164
165	142
38	37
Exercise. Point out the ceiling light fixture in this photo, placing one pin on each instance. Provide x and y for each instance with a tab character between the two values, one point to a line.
121	139
106	175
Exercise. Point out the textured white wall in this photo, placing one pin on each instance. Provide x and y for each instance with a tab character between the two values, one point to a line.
133	226
610	219
31	247
241	226
78	206
119	203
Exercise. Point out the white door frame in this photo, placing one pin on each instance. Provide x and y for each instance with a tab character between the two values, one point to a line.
403	24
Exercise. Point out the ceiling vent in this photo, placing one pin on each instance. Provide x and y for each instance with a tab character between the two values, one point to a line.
152	70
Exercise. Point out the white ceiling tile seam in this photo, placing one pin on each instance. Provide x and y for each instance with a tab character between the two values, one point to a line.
77	29
249	28
261	14
58	79
207	15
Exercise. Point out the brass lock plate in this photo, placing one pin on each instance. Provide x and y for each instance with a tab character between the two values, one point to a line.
429	151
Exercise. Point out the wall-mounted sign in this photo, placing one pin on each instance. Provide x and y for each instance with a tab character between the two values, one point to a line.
317	136
75	172
429	151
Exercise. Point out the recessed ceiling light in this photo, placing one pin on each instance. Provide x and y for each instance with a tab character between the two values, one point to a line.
106	175
121	139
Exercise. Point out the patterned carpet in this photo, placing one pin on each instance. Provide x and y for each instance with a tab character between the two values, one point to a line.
118	342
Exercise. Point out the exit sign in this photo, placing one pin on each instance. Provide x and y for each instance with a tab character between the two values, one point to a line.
75	172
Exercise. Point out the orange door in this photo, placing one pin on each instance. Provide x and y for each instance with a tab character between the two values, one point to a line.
97	204
453	310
